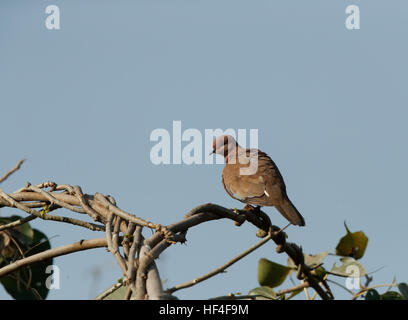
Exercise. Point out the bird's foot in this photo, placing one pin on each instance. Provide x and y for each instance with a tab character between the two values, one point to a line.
248	208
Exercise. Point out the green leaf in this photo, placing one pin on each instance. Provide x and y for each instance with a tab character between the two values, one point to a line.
271	274
29	283
403	288
13	239
372	294
312	260
349	268
392	295
25	229
265	292
353	244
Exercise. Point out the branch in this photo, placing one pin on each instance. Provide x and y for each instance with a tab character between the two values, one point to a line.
209	212
10	172
219	269
13	203
232	296
51	253
143	271
108	291
364	290
16	223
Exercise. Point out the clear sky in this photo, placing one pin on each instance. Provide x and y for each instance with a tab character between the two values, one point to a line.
330	106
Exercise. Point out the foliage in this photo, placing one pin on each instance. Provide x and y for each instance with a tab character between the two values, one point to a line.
27	283
350	248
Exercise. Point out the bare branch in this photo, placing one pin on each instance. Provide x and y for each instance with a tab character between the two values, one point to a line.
10	172
108	291
123	214
16	223
219	269
13	203
51	253
141	272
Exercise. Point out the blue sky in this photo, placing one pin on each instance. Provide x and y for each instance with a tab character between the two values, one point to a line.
330	106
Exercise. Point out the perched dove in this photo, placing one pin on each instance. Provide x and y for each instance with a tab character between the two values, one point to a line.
263	186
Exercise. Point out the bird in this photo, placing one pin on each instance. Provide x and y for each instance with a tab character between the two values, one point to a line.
264	186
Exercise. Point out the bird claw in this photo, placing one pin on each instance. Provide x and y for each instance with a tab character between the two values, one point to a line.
248	208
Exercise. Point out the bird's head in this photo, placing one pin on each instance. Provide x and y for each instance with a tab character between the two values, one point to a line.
224	145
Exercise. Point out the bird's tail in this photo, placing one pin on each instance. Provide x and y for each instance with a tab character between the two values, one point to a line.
289	211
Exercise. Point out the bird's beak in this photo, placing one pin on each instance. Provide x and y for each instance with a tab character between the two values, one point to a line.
212	152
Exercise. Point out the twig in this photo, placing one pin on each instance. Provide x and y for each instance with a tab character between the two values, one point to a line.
361	292
295	288
219	269
51	253
108	291
253	296
16	223
10	172
123	214
84	203
340	285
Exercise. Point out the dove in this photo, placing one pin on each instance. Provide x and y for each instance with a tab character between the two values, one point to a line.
261	186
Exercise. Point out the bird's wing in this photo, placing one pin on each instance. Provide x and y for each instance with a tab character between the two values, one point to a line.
246	187
242	187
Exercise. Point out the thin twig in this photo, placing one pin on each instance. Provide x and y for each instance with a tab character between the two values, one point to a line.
219	269
84	203
341	286
55	252
254	296
108	291
123	214
10	172
361	292
16	223
295	288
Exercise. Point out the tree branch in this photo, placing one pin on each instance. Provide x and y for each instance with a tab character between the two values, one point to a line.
219	269
51	253
143	269
108	291
10	172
